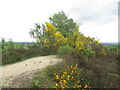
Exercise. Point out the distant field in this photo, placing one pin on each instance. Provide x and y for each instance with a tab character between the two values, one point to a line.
18	51
110	43
104	43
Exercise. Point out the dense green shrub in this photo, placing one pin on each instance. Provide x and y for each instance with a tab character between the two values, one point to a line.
65	50
100	69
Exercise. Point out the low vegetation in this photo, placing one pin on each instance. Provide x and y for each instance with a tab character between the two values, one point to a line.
15	52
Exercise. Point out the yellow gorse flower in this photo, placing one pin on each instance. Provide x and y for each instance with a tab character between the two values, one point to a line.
56	34
75	67
57	76
56	84
60	81
78	86
68	77
71	67
78	81
62	76
46	30
64	72
72	72
85	86
74	86
62	86
72	78
50	26
64	81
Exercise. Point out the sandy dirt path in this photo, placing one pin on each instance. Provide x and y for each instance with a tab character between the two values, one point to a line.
13	75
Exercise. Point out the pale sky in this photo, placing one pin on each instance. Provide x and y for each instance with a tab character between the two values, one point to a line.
97	18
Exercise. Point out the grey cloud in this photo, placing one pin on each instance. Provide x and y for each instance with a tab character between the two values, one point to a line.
113	8
106	15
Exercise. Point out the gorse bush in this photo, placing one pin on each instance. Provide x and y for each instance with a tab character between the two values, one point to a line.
70	78
87	52
63	77
98	62
100	69
84	46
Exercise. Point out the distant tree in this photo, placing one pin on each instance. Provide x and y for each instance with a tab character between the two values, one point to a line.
2	42
10	44
37	32
63	24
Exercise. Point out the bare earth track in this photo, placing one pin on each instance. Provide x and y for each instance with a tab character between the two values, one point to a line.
20	75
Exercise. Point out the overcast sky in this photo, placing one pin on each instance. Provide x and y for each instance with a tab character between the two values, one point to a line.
97	18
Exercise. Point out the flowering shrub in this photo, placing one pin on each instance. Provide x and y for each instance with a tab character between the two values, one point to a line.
85	46
70	78
87	52
53	38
